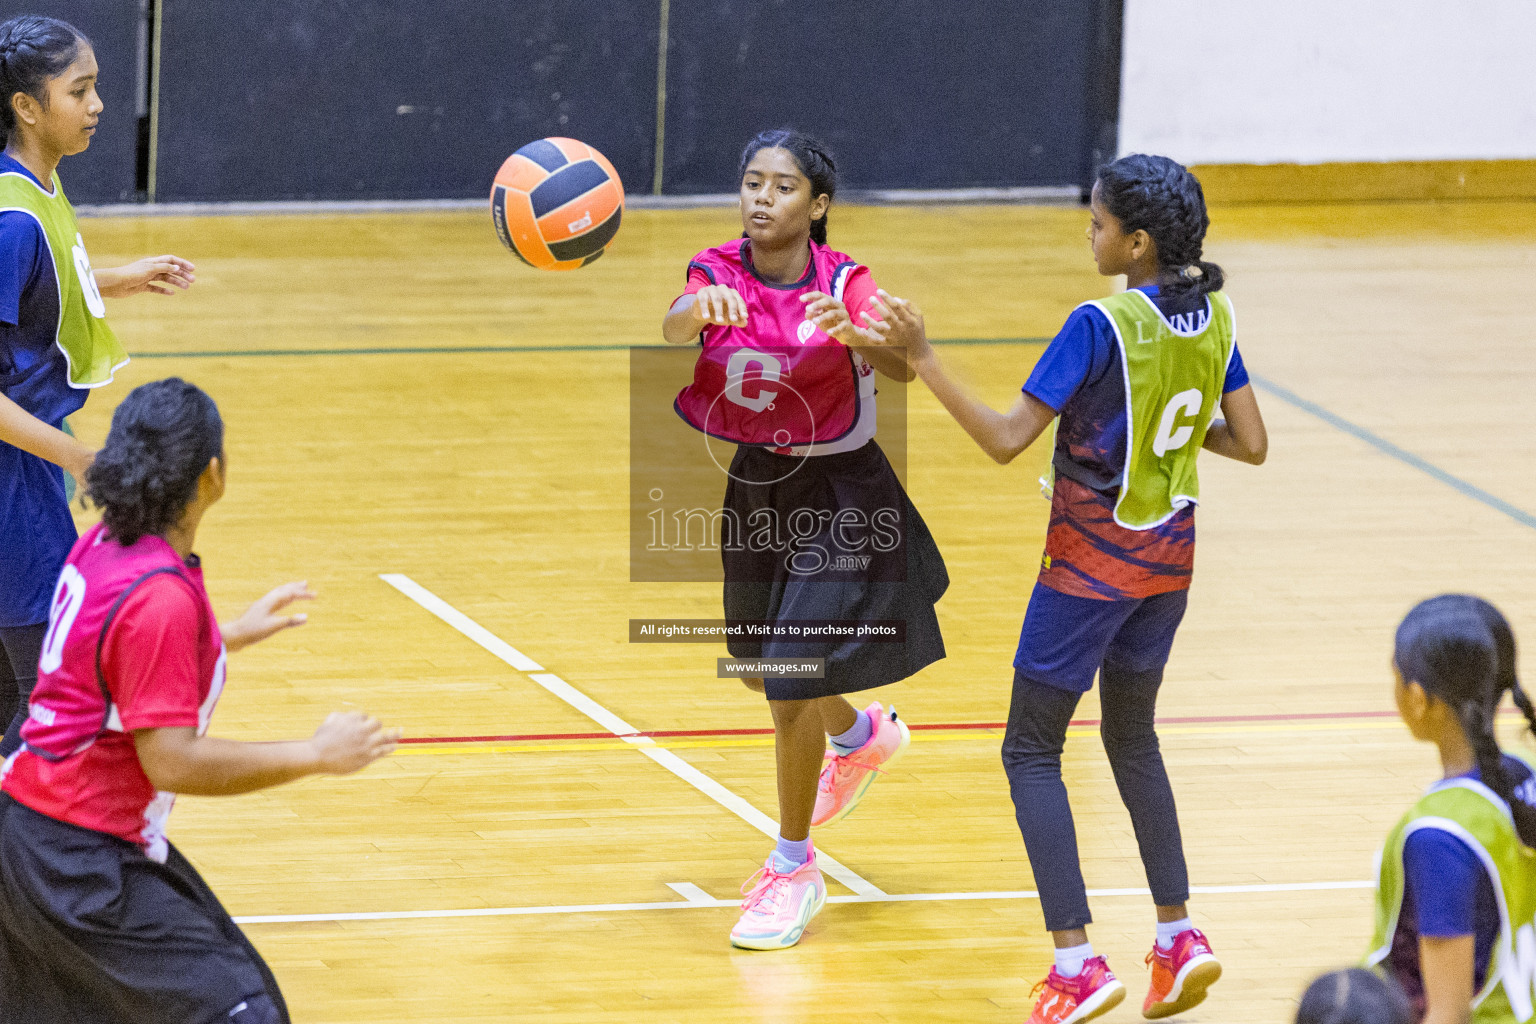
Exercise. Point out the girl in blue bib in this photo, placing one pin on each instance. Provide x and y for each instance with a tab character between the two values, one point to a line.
55	344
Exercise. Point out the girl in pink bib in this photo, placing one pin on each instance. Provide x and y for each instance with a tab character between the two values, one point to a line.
819	531
101	917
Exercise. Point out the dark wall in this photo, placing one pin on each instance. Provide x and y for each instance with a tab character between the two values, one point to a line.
385	99
395	99
907	93
104	173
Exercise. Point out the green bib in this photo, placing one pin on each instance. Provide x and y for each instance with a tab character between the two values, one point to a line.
1479	818
93	351
1173	387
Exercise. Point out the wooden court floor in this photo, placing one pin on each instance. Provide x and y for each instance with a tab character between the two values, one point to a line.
1391	349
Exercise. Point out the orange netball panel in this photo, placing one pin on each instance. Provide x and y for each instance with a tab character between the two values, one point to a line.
513	212
520	173
557	203
582	214
574	149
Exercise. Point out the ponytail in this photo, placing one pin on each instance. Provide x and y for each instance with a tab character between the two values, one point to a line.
1159	196
1461	650
1507	678
1477	723
163	436
812	157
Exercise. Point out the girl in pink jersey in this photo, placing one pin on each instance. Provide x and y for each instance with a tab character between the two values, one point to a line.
101	918
817	527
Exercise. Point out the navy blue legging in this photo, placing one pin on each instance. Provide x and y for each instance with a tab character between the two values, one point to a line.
20	647
1037	732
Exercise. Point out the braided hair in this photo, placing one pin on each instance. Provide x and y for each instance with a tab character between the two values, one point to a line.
163	436
813	159
33	49
1461	650
1159	196
1354	996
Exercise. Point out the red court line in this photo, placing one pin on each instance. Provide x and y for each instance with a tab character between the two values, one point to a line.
935	726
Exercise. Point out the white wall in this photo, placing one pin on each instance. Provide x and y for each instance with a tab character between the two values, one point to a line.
1311	81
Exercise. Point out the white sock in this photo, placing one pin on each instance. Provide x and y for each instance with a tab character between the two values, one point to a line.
1167	931
1069	961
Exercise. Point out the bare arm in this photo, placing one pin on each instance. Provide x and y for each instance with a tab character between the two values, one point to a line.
890	363
715	304
21	429
177	760
1002	435
158	274
1240	433
1446	966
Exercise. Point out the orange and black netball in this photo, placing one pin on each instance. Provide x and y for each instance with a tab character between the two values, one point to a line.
557	203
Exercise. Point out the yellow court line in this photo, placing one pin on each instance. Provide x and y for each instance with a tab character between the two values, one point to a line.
959	736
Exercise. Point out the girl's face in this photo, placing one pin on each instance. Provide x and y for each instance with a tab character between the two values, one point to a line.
66	123
1113	250
776	202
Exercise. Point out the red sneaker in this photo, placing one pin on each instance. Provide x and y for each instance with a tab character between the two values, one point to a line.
1072	1000
1180	976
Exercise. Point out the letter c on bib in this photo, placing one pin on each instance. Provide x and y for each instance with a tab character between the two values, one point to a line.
736	371
1168	439
87	279
1520	972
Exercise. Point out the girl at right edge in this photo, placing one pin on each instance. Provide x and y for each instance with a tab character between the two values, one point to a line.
1136	379
1456	885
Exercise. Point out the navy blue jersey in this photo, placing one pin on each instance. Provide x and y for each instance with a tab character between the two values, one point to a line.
1081	375
1447	892
36	530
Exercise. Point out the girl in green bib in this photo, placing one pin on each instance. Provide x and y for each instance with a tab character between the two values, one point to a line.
1139	384
55	344
1456	892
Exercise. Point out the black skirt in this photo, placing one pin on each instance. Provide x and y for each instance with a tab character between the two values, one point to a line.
846	545
92	931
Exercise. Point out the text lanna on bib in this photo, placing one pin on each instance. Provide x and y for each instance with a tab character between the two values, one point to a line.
779	381
1474	813
1173	387
93	351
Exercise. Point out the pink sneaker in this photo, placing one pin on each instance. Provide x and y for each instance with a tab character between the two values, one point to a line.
845	778
1073	1000
1181	975
778	907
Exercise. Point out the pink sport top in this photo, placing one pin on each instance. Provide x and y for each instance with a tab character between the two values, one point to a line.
779	382
132	643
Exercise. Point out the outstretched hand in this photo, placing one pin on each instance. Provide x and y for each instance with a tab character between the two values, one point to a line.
348	741
904	326
831	316
889	322
721	305
265	617
158	274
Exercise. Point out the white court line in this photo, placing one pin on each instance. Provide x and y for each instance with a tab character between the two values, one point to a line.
461	622
696	898
693	894
616	725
